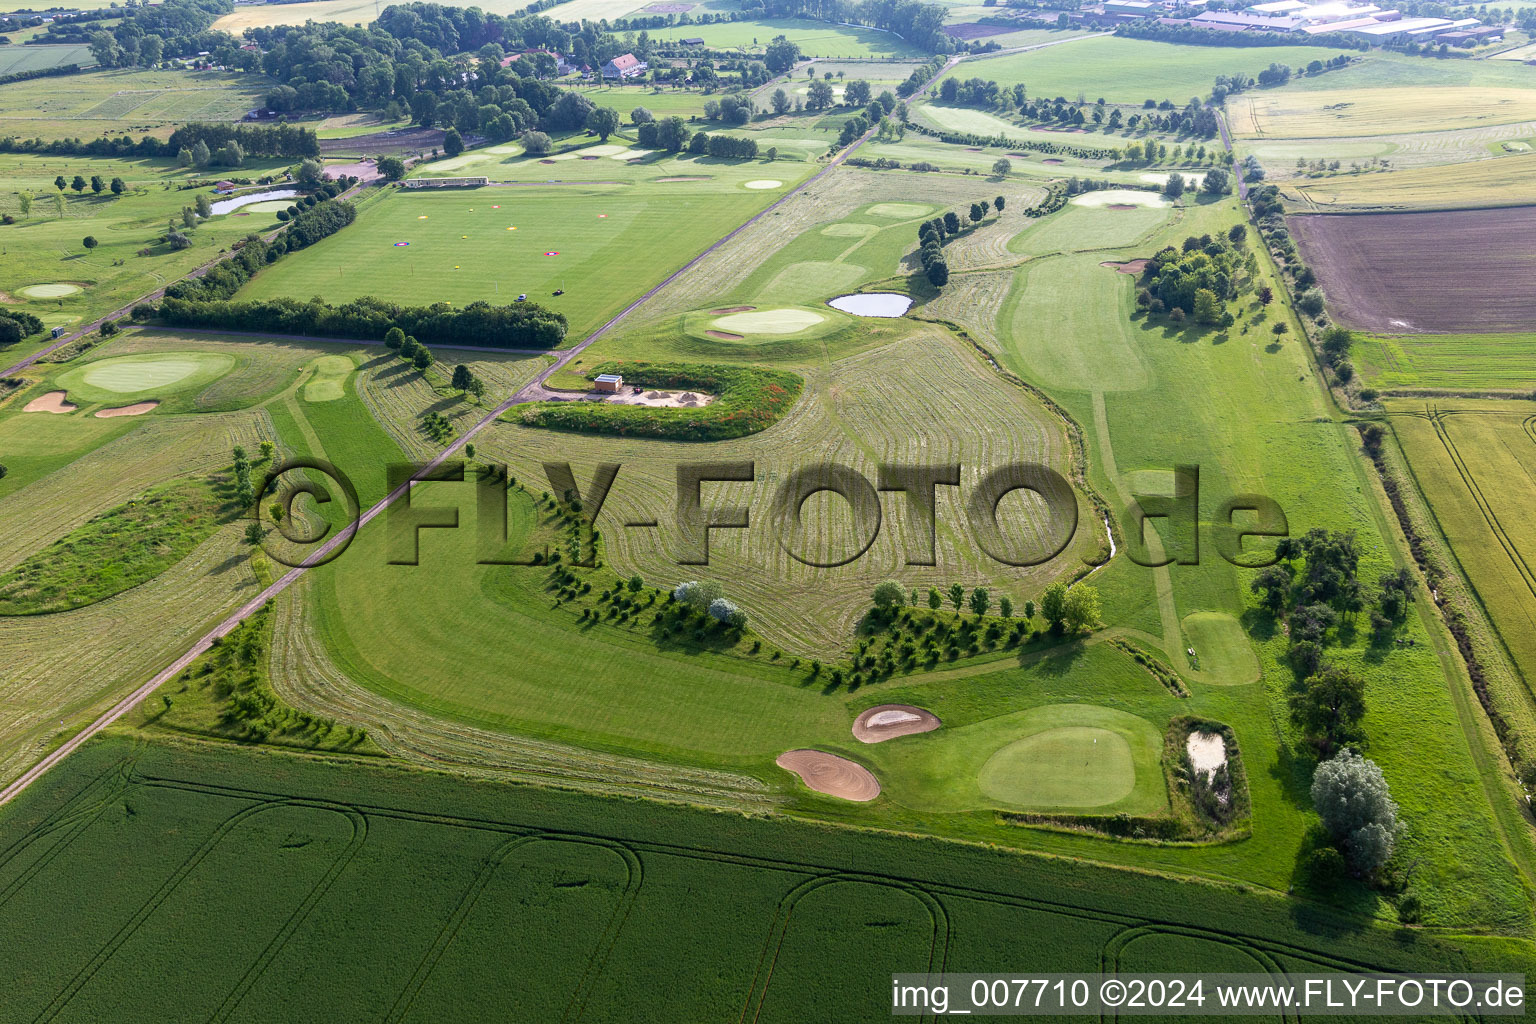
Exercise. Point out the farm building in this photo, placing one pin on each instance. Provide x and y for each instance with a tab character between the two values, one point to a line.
469	182
608	382
694	41
626	66
224	188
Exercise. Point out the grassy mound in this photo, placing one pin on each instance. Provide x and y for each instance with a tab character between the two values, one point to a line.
119	549
749	399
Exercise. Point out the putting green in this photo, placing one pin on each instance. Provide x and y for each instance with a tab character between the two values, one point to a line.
49	291
761	183
1119	197
1075	766
1226	657
143	374
328	383
768	321
899	211
270	206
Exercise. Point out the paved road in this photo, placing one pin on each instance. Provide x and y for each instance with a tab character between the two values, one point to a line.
535	389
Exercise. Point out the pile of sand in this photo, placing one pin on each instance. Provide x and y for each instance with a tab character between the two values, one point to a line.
663	399
1207	752
887	721
53	401
136	409
830	774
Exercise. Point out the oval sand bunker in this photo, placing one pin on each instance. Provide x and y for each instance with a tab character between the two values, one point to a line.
830	774
887	721
760	183
53	401
136	409
50	291
768	321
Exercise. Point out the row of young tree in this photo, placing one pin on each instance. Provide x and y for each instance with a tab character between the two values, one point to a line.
1066	609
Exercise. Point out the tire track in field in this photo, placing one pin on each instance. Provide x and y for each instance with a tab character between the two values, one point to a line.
1437	419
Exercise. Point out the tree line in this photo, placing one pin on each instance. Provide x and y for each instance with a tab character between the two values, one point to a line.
931	235
284	140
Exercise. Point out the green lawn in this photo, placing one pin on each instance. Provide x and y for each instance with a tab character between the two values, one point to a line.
124	101
608	244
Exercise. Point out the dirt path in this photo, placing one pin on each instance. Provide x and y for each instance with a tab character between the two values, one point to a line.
535	389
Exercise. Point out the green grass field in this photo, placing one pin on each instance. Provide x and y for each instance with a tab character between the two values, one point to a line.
45	248
123	101
607	245
1491	362
587	901
37	58
1129	70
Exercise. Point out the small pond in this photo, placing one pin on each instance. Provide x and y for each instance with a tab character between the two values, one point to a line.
235	202
873	304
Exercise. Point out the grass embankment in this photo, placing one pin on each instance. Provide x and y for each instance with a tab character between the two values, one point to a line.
746	400
119	549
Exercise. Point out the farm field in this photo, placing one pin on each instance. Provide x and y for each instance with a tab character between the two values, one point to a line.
1314	113
589	902
815	38
36	58
1473	460
604	244
1129	70
50	273
1499	182
1454	271
1471	362
123	101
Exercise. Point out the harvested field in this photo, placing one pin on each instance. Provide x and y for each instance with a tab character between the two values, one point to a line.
53	401
973	30
405	140
887	721
830	774
136	409
1458	270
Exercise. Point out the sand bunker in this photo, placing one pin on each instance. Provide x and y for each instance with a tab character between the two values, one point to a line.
546	161
1130	267
53	401
830	774
769	321
1207	751
887	721
136	409
760	183
1120	197
664	399
1049	160
732	309
49	291
724	335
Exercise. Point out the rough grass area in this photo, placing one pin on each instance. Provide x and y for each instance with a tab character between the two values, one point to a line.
227	693
119	549
748	400
123	100
272	860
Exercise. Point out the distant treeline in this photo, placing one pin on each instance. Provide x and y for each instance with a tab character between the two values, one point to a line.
26	76
281	140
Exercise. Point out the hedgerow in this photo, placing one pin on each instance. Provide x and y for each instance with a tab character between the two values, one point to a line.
748	399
